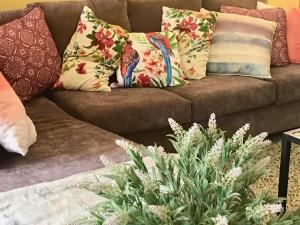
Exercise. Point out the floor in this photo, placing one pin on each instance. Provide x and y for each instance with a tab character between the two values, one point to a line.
270	181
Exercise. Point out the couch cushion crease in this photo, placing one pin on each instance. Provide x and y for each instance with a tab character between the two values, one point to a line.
223	95
287	82
65	146
125	110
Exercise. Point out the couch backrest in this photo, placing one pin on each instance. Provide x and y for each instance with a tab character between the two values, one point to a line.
7	16
62	17
214	5
111	11
145	15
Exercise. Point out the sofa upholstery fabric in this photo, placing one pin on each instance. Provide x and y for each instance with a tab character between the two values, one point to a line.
287	82
124	111
62	17
7	16
272	119
215	5
224	95
111	11
65	146
146	15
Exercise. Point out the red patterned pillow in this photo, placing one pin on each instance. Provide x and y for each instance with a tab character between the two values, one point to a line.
29	59
279	51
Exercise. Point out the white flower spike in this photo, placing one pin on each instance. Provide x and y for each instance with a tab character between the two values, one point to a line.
212	123
220	220
177	128
161	212
240	133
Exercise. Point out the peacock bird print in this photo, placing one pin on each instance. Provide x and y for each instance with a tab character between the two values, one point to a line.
162	43
129	60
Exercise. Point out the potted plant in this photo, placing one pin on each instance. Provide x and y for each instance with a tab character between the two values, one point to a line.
208	182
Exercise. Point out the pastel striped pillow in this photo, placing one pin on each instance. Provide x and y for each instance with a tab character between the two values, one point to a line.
241	45
279	50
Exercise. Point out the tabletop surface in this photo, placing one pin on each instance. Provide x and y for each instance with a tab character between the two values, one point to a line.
294	134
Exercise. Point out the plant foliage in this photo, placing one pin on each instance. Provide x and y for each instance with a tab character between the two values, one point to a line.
208	182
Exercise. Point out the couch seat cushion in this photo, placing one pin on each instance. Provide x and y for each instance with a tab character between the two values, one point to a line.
125	111
287	82
65	146
225	95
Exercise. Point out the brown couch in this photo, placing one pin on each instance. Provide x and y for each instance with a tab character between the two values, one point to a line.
75	127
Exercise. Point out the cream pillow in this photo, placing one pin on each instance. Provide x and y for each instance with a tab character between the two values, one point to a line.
93	54
195	34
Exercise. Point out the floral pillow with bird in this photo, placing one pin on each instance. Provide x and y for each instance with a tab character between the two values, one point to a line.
194	40
150	60
93	54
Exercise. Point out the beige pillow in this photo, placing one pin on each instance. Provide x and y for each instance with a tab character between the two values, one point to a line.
93	54
194	40
241	45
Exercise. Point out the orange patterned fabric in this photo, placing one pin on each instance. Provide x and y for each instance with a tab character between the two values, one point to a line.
279	49
29	59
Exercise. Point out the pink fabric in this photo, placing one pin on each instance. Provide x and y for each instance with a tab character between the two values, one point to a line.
29	59
293	34
17	132
278	15
11	107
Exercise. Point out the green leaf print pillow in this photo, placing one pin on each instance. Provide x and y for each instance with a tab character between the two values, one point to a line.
151	60
194	41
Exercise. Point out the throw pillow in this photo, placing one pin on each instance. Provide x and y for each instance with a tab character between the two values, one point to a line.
241	45
196	30
150	60
17	132
277	15
293	34
93	54
29	59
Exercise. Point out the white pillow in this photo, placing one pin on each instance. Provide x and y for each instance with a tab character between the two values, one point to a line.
17	132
